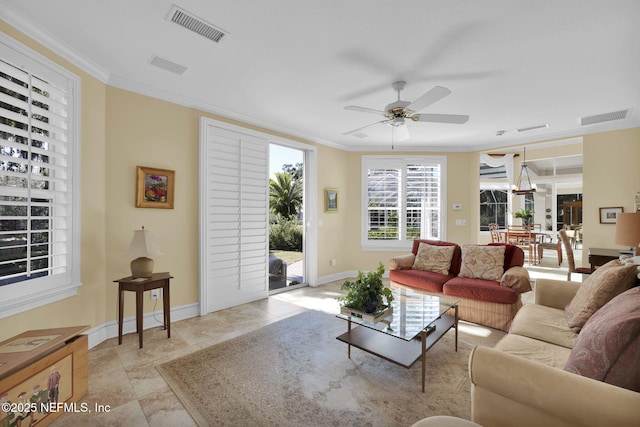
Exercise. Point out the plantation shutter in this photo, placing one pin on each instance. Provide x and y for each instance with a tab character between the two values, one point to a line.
234	221
35	176
383	207
403	200
423	201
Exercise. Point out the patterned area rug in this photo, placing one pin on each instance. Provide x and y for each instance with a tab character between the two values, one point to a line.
294	372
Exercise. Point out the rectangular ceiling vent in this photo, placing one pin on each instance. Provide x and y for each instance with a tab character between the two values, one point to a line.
167	65
197	25
527	129
605	117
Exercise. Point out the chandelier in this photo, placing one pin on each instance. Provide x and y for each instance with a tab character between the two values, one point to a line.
524	185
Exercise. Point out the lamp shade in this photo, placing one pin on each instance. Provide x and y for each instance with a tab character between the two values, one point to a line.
628	230
143	246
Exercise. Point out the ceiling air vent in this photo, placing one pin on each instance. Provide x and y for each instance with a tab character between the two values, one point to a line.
167	65
195	24
545	125
605	117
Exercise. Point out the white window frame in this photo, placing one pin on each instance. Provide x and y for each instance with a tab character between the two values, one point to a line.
497	186
399	162
32	293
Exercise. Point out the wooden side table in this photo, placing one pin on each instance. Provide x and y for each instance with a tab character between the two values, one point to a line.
139	286
601	256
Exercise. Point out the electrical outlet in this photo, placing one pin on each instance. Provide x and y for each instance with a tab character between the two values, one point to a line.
155	293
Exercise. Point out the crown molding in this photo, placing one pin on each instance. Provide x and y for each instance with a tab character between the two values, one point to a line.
51	42
153	92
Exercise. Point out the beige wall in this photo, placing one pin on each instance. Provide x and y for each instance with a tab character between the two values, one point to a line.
611	178
339	236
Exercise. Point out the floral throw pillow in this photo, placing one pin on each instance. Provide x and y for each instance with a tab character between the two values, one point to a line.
598	289
433	258
608	348
482	262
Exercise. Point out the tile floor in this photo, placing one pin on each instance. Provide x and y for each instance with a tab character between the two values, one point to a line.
124	377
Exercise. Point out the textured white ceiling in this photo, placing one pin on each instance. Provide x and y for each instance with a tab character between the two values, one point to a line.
293	65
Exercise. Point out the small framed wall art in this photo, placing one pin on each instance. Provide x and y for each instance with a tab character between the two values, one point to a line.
609	215
155	188
330	200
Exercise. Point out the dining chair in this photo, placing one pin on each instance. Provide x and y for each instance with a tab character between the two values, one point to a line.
521	236
496	235
557	246
570	260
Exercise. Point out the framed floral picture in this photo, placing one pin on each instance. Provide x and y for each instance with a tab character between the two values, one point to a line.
154	188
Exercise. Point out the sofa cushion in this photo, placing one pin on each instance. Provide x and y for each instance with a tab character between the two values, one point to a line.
426	280
516	278
608	348
599	288
457	254
402	262
480	290
433	258
543	323
533	349
482	262
513	255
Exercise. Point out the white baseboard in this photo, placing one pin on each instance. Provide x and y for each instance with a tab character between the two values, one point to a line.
109	329
342	276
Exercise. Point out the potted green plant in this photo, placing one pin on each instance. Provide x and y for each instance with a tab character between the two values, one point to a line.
526	215
367	292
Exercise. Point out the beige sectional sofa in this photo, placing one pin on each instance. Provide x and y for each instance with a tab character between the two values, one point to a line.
542	372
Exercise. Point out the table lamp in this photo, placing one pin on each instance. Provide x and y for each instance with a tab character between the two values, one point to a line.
143	245
628	231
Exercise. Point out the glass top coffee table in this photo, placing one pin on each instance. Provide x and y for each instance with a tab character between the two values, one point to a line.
417	322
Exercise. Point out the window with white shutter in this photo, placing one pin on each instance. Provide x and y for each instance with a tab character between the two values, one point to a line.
39	221
403	200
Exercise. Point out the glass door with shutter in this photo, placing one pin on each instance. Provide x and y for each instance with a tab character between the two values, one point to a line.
286	218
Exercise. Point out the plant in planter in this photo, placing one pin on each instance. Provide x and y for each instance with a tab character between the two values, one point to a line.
526	215
367	292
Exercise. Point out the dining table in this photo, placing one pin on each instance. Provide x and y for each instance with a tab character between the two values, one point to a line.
536	237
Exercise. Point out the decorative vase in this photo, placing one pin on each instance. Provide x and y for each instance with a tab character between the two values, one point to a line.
370	307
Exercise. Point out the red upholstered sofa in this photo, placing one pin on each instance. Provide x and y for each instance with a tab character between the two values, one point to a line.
492	303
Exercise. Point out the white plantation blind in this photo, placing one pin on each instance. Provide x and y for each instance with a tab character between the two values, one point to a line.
34	205
37	159
235	218
403	200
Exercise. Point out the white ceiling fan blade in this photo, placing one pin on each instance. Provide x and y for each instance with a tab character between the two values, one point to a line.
456	119
401	133
364	109
435	94
351	132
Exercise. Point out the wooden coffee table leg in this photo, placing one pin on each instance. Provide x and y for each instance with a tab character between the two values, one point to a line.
455	325
349	345
423	336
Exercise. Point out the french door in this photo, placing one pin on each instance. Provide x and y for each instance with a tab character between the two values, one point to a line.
234	214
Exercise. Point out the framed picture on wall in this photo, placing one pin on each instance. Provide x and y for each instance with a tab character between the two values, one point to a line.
154	188
637	202
330	200
609	215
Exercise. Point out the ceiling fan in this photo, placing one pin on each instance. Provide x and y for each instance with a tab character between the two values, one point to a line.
398	112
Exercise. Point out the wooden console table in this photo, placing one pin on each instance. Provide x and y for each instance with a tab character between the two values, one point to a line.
601	256
139	286
44	369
